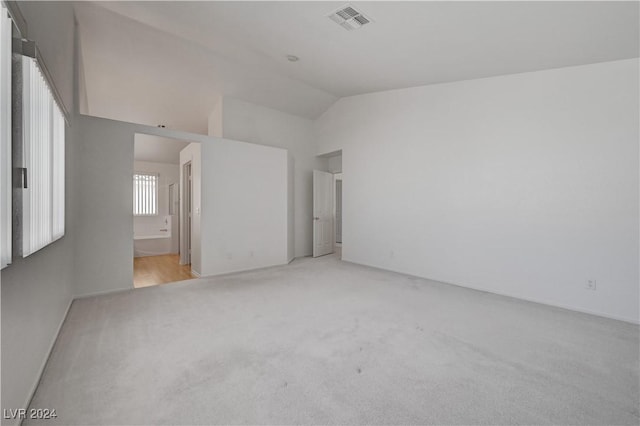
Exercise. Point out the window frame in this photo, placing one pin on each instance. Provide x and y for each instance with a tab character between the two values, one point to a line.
48	227
39	152
155	193
6	167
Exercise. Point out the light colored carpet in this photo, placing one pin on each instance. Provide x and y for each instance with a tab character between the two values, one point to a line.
326	342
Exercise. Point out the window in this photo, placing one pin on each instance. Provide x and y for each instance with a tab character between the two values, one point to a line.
145	194
5	138
32	146
43	150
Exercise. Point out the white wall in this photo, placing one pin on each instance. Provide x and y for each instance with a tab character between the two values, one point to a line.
260	125
245	198
524	185
334	164
215	122
104	245
192	153
52	26
167	174
36	291
241	193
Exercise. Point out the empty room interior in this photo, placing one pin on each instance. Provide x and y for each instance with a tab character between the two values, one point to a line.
321	212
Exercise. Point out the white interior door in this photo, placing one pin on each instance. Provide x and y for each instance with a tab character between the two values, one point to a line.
323	223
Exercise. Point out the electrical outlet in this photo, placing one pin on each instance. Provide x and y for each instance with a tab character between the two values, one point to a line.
590	285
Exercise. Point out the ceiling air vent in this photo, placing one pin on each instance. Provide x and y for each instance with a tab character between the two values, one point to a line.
349	18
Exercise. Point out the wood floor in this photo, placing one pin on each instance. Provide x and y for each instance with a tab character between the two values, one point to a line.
154	270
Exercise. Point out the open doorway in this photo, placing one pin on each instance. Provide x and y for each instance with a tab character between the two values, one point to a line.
158	229
327	207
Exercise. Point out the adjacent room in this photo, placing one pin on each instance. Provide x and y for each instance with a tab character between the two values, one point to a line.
376	212
163	169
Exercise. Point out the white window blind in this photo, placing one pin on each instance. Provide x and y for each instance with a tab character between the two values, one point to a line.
43	150
145	194
5	138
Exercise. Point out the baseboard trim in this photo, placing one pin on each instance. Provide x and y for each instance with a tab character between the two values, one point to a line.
635	321
32	393
240	271
103	293
152	255
197	275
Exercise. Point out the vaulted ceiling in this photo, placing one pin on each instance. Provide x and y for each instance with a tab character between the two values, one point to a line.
168	62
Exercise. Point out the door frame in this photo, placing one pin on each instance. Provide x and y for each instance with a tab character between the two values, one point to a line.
186	200
337	177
